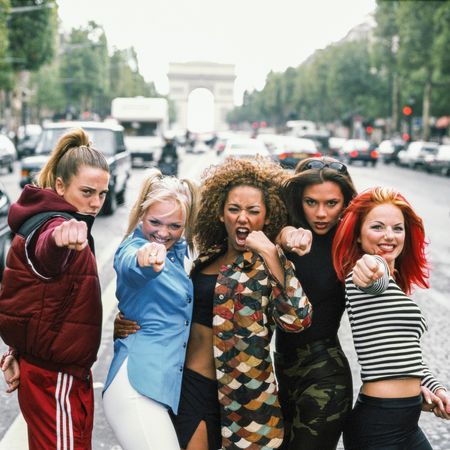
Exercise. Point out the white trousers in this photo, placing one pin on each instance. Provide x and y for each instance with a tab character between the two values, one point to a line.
138	422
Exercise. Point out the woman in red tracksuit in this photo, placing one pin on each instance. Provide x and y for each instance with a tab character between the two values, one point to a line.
50	302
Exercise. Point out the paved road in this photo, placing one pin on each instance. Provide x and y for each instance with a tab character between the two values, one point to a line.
429	194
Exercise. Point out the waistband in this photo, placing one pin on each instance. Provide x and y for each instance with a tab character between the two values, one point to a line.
79	372
306	350
198	376
404	402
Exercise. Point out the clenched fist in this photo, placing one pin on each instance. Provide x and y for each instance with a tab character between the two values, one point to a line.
299	241
72	234
152	255
367	270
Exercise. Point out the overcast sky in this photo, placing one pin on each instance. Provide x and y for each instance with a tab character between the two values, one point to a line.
255	35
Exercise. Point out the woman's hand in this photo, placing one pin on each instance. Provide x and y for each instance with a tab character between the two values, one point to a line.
299	241
258	242
124	327
153	255
442	408
367	270
296	240
72	234
11	372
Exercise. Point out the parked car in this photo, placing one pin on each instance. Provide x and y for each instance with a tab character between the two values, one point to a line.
244	148
28	138
389	150
107	137
335	145
414	155
439	162
8	153
290	150
359	150
5	232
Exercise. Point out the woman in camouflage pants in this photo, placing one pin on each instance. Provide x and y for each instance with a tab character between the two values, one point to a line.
315	384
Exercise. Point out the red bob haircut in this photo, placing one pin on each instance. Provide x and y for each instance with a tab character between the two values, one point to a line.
411	266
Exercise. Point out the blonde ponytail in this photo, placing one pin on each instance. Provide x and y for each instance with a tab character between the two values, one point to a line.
137	210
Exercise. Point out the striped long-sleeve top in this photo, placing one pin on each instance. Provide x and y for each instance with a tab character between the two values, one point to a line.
387	326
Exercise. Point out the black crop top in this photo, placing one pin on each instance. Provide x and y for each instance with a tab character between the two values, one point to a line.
204	285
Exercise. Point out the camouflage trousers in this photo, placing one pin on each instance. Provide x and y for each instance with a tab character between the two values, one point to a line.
316	394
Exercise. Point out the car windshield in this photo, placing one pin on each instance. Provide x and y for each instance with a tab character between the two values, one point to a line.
431	150
300	145
101	139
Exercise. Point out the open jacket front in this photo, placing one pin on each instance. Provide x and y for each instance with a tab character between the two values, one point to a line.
248	302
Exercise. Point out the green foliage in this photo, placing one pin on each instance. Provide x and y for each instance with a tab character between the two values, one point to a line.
5	67
84	69
367	77
31	33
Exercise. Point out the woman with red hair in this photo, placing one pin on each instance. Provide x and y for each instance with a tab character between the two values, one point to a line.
379	251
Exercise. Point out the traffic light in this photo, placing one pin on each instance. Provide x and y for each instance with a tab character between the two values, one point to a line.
407	110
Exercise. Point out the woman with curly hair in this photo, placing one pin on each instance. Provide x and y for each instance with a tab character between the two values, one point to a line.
243	287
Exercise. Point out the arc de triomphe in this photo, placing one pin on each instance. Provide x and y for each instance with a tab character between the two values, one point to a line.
217	78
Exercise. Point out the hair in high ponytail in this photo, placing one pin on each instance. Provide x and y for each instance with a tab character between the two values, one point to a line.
71	151
159	188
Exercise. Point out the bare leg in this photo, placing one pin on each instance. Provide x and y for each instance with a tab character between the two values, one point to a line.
199	440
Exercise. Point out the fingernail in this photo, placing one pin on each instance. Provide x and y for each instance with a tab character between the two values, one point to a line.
429	401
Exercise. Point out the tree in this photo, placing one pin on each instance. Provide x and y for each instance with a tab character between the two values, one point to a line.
32	26
385	54
84	69
5	66
31	33
423	34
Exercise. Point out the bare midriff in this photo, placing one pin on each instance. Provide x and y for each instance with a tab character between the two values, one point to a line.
199	355
395	388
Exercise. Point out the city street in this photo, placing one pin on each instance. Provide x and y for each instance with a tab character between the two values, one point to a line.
429	195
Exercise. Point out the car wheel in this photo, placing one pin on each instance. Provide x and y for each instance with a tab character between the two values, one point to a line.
121	196
110	204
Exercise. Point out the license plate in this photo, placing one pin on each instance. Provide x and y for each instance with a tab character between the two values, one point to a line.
300	155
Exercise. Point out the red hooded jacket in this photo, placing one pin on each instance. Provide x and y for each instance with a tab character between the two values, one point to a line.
50	301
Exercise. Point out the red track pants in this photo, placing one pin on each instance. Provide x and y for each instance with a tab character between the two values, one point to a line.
58	409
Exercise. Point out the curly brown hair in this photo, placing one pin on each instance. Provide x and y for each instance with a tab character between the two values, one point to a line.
218	180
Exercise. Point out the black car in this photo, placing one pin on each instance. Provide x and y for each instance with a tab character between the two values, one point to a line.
106	137
5	232
359	150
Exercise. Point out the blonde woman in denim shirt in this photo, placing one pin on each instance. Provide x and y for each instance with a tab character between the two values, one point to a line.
153	289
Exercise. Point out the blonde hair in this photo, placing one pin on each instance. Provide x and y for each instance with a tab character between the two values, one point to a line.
159	188
72	151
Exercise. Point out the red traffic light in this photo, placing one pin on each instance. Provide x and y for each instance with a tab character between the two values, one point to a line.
407	110
369	129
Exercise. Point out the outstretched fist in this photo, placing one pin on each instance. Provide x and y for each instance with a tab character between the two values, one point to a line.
153	255
299	241
367	270
72	234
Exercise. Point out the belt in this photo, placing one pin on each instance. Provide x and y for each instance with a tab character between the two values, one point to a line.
318	346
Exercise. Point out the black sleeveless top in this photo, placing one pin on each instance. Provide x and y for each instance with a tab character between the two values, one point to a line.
204	285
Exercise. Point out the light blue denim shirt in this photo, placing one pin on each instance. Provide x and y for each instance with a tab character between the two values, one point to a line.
161	303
